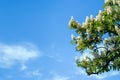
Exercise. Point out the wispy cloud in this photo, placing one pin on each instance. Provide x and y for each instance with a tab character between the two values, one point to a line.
34	73
23	67
105	75
98	77
80	71
55	53
56	57
11	54
58	77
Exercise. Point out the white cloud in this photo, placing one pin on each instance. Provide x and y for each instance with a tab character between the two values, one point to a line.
11	54
98	77
35	73
58	77
56	57
24	67
105	75
55	53
80	71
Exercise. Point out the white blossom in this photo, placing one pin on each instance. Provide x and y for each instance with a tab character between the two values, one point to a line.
109	10
72	36
99	29
99	17
99	38
117	30
103	18
118	2
88	31
87	19
106	1
84	58
78	43
79	37
71	20
78	25
83	24
114	1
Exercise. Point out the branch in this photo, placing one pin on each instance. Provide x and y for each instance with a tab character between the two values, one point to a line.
102	47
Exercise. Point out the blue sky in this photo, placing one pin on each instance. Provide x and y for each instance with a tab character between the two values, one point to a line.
35	39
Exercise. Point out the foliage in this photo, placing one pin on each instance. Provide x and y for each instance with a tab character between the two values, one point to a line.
100	37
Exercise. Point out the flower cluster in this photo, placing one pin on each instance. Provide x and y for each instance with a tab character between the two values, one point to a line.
117	30
113	1
99	17
106	1
73	24
109	9
111	6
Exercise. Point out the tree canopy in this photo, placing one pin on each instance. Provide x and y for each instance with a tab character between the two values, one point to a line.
99	37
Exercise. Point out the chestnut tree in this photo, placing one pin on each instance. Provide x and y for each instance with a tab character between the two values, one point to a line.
99	37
